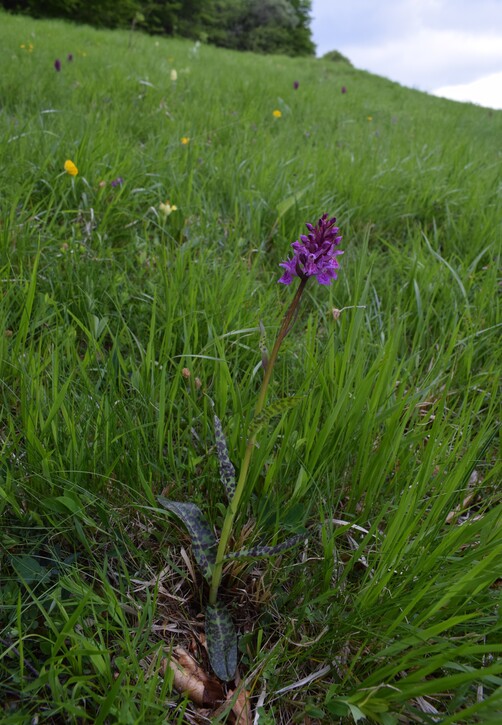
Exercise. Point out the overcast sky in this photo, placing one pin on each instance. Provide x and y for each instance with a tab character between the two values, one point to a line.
448	47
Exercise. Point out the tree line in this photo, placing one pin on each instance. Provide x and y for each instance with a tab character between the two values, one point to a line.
263	26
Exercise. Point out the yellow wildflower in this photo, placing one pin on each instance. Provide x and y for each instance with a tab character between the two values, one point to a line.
70	168
370	118
276	113
174	75
185	140
167	208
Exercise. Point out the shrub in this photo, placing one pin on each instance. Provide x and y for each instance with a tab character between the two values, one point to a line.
336	57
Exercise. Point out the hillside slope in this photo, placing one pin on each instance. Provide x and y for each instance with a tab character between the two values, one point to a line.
149	190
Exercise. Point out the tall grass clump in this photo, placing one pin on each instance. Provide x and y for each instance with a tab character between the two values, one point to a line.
150	188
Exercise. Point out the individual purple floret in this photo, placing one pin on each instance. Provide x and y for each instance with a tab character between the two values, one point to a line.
118	181
57	64
315	254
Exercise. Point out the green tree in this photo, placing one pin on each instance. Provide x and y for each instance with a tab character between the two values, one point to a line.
161	16
302	34
102	13
108	13
267	26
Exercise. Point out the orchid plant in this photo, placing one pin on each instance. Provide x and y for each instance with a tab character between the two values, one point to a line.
315	255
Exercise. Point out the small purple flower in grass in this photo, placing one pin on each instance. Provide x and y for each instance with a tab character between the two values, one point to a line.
69	57
344	90
315	254
296	85
57	64
118	181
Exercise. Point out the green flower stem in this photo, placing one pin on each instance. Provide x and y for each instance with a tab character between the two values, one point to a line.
233	506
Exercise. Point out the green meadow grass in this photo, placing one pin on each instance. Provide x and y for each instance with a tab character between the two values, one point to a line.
390	611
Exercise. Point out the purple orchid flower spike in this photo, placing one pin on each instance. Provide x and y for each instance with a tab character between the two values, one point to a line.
57	65
314	254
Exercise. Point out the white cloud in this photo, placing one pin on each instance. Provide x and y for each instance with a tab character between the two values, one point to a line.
425	44
486	91
430	58
466	15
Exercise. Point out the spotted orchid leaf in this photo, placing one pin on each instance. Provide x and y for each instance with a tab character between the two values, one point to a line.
263	346
221	641
227	471
280	406
263	550
203	540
